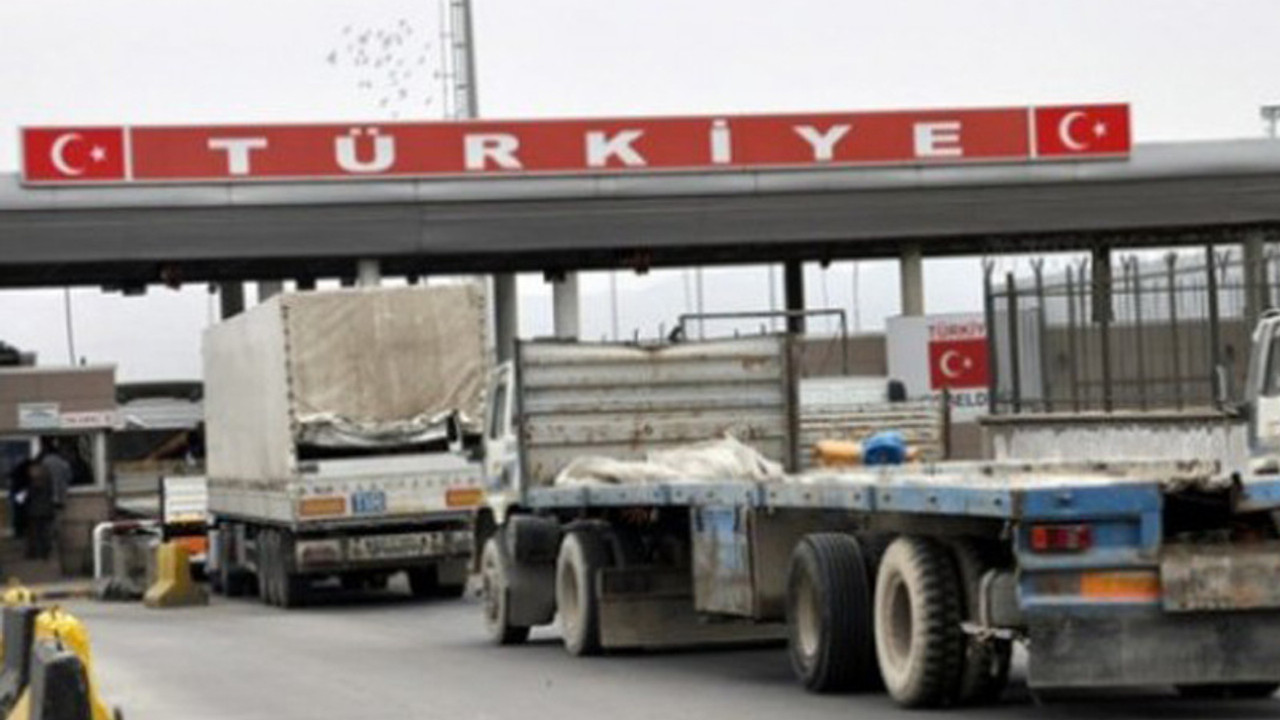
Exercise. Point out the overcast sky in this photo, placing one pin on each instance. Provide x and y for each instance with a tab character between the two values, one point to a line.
1189	69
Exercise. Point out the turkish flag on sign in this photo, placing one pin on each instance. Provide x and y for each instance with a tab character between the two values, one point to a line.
1082	130
958	364
71	154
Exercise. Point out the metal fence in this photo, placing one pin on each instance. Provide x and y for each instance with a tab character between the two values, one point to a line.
1144	333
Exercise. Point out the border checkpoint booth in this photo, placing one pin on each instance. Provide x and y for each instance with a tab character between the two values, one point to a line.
78	406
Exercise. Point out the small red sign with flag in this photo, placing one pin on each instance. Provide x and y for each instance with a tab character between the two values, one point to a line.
958	364
1082	130
75	154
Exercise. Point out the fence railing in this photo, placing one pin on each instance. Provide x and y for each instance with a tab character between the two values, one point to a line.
1165	332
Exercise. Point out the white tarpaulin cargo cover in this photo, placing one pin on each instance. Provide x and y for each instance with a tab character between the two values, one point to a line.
709	461
383	363
357	367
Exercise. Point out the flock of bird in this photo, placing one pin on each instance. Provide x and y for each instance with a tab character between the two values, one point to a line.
390	64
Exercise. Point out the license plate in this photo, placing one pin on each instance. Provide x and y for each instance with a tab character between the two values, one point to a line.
1220	577
369	502
406	545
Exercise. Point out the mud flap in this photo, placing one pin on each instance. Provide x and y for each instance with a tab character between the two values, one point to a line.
1154	648
644	607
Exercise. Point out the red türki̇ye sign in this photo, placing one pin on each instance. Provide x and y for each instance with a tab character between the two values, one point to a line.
235	153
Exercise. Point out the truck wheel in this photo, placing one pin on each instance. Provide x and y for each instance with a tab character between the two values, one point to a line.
450	592
266	567
424	582
582	555
291	588
986	660
919	642
829	629
494	594
214	566
231	580
1229	691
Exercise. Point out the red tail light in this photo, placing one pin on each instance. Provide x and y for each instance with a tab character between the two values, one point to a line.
1061	538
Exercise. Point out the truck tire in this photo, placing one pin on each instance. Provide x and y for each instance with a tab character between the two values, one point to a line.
1229	691
985	670
450	592
266	567
919	643
830	636
495	598
232	580
276	585
213	570
424	582
582	555
291	588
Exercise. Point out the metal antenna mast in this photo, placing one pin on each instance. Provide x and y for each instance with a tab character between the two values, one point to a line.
466	102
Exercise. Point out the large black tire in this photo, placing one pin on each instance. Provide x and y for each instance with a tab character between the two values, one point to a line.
831	640
1229	691
582	555
276	585
916	613
291	588
231	580
986	660
424	582
267	591
450	592
495	597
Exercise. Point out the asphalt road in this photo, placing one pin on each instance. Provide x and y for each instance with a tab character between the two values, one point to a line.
383	655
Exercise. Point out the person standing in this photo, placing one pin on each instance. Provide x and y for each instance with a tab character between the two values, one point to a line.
59	470
42	512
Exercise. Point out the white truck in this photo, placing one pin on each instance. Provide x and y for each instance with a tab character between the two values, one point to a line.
337	428
917	579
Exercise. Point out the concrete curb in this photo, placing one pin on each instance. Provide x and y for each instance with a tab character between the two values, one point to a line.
71	592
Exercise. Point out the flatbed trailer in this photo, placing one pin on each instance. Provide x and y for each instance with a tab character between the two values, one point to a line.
915	578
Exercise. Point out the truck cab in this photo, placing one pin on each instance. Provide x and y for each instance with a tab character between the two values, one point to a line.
1262	394
501	444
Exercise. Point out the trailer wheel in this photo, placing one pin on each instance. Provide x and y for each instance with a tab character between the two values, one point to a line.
423	582
919	642
266	567
495	582
582	555
291	588
450	592
1229	691
829	629
276	585
986	660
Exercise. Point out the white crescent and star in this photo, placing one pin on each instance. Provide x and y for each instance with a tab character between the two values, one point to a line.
1069	139
58	154
944	364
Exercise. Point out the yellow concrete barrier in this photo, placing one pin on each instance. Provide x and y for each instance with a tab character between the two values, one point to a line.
56	624
15	593
173	586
